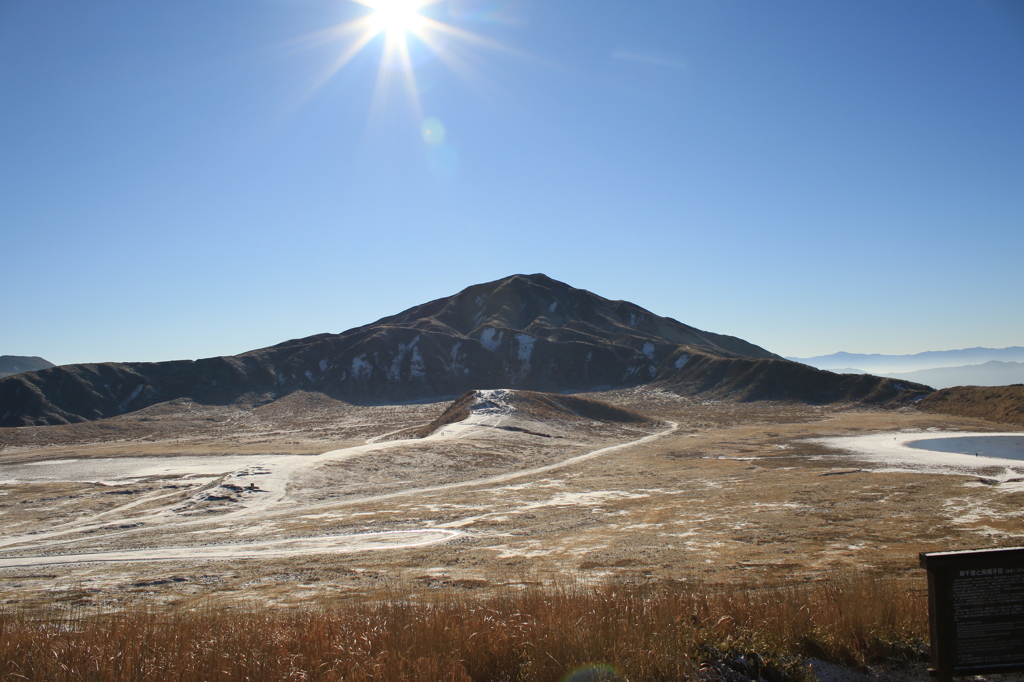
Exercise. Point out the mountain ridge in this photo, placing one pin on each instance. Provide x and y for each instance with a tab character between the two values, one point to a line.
16	364
932	359
991	373
526	332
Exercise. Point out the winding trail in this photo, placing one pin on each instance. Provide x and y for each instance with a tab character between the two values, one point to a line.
272	493
504	478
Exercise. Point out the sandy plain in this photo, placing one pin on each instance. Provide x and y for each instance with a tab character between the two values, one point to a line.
309	500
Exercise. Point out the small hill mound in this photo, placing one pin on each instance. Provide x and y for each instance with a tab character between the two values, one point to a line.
530	405
551	406
1003	404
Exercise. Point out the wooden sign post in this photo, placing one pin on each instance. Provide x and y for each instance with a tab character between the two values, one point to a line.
976	611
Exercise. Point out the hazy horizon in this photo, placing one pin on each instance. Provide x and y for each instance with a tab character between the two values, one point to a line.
202	179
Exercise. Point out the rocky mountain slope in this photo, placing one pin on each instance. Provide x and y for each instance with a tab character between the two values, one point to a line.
15	364
524	331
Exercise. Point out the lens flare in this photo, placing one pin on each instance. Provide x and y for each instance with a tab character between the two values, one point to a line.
433	132
412	36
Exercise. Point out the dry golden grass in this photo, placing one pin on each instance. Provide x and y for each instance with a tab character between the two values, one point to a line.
1002	404
648	632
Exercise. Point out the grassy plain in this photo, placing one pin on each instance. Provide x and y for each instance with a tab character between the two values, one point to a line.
635	632
516	549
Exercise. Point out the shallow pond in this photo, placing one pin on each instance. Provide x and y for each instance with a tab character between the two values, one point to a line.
1003	447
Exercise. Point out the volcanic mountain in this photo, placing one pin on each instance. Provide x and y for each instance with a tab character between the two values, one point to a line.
524	331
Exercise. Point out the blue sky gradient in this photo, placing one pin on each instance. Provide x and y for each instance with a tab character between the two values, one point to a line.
189	179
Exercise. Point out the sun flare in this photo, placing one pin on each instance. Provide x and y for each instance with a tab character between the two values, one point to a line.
411	36
396	16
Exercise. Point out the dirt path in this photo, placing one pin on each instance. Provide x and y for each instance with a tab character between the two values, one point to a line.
271	499
504	478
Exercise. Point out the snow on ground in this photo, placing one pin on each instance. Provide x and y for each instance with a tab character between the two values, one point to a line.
890	451
489	410
252	492
321	544
121	470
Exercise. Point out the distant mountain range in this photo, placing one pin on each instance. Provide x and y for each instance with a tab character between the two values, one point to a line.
14	364
883	364
938	369
992	373
524	331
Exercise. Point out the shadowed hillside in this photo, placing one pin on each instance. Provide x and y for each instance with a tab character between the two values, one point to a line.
522	332
744	379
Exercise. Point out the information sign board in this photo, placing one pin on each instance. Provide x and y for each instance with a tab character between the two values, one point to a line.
976	611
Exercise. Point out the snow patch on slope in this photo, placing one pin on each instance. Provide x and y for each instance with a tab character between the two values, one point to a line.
417	368
395	372
491	338
493	402
525	346
360	367
133	396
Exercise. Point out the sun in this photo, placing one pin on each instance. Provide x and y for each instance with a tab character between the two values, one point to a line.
396	16
410	36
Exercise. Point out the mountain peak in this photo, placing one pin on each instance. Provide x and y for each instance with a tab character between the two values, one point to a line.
545	308
527	332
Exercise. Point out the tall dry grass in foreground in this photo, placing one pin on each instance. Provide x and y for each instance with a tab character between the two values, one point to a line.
666	632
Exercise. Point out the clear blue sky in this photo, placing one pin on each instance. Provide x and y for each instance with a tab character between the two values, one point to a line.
195	178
